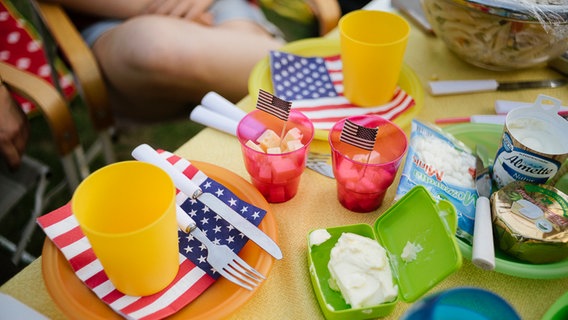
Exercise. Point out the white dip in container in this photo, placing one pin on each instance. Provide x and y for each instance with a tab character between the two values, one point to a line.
534	144
360	269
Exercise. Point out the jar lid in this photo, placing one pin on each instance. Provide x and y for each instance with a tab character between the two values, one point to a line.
552	12
432	228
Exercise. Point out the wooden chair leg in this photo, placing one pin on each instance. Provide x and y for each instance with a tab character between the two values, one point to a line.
328	13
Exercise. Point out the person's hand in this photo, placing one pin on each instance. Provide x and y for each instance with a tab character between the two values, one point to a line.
196	10
14	129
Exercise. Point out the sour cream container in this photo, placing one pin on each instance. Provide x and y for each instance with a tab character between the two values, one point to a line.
534	144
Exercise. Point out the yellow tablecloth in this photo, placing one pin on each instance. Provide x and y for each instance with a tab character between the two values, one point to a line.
287	293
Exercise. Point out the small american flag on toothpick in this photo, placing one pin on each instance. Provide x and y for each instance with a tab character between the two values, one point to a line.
358	136
273	105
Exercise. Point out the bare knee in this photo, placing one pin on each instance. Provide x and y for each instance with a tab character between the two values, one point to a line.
146	45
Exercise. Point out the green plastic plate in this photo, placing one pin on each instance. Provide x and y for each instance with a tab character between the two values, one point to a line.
489	136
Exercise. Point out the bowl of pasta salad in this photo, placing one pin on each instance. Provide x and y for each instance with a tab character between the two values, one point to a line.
501	35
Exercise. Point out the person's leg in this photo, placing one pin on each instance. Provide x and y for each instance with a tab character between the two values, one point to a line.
157	67
240	14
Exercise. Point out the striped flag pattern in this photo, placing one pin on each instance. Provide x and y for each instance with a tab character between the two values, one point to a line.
358	136
195	274
273	105
314	85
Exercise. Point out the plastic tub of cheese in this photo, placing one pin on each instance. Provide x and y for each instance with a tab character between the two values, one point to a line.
360	271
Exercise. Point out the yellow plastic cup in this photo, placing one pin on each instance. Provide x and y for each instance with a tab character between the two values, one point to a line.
127	211
373	44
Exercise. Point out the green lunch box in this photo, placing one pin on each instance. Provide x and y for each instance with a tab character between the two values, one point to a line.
416	217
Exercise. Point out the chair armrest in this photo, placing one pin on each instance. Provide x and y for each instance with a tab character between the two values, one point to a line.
81	60
51	103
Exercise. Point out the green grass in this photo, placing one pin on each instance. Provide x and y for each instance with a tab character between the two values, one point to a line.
169	136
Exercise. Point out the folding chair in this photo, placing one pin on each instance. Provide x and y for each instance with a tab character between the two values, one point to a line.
31	176
56	111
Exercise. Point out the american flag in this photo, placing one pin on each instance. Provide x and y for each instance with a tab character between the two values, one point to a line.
273	105
195	274
358	136
314	85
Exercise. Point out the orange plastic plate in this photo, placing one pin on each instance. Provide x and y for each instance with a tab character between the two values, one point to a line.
220	300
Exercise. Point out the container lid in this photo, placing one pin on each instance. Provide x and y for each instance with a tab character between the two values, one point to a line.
418	219
521	10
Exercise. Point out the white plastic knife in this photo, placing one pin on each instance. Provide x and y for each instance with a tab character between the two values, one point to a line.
147	154
438	88
483	251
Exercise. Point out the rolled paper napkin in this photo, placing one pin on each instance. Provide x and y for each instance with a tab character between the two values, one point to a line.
215	102
219	113
319	93
195	274
213	119
504	106
483	252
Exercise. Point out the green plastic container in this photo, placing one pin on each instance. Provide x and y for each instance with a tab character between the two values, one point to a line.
417	218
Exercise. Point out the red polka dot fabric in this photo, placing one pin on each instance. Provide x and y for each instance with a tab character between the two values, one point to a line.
21	46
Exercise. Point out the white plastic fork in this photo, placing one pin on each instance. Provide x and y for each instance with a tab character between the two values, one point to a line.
319	163
221	257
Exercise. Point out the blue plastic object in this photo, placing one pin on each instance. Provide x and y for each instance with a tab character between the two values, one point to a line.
464	303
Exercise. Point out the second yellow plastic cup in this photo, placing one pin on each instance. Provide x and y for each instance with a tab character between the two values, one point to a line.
373	44
127	212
